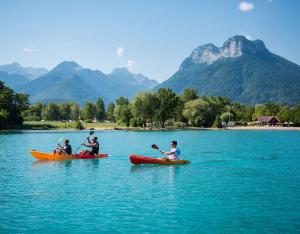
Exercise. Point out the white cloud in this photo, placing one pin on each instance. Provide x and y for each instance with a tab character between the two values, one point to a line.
29	50
120	51
245	6
131	63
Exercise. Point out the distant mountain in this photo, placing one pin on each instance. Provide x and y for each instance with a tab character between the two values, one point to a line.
29	72
243	70
14	81
68	81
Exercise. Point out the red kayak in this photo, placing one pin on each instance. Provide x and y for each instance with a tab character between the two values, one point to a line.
136	159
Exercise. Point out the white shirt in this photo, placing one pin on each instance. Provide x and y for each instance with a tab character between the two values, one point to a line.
176	154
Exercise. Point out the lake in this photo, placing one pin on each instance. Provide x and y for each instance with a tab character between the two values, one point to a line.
238	182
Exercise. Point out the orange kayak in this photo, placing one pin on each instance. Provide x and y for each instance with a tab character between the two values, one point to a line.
57	156
136	159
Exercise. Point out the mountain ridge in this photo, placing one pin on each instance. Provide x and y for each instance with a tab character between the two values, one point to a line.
68	81
243	70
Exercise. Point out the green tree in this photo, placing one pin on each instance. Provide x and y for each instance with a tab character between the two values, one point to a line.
285	114
189	94
296	115
195	111
52	112
259	110
122	111
75	111
11	107
272	109
143	107
65	111
226	116
167	105
242	113
89	111
100	109
110	112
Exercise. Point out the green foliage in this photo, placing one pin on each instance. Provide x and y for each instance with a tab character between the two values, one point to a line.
189	94
218	122
65	111
167	104
144	107
110	112
89	111
52	112
78	125
226	117
122	111
88	121
100	114
11	106
296	115
75	111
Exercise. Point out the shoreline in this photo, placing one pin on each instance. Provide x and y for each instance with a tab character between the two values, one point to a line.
237	128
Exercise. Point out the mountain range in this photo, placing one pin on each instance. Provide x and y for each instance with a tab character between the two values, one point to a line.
68	81
243	70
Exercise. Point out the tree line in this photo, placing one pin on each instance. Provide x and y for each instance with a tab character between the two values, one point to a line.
164	108
158	109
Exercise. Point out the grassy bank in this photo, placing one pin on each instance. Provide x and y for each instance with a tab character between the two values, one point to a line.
55	125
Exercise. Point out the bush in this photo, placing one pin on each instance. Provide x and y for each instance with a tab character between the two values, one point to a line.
78	125
88	121
31	118
134	122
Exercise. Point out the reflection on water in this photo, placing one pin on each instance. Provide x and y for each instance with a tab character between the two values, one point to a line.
39	163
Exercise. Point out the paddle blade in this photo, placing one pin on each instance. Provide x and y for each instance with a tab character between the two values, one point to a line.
91	133
154	147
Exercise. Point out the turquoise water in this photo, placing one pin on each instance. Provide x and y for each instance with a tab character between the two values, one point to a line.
238	182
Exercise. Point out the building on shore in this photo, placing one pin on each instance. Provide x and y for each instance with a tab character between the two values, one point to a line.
268	120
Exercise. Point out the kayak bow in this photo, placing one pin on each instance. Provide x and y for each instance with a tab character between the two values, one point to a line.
57	156
136	159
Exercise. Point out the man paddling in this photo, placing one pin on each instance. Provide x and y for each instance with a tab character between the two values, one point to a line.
67	149
94	144
174	153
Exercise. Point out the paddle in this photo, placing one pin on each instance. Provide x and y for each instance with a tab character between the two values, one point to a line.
91	133
156	147
59	141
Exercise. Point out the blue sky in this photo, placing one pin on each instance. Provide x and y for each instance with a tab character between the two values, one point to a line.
149	37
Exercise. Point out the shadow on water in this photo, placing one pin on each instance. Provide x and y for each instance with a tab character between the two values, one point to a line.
95	162
154	168
39	163
271	157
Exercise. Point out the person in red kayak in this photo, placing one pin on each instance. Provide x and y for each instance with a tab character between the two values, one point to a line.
94	144
67	149
174	153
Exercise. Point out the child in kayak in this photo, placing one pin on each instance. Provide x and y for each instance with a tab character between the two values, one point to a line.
94	144
67	149
174	153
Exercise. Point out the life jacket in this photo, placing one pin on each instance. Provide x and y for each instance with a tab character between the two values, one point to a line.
95	149
68	149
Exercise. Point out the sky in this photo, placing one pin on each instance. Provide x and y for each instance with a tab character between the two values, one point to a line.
151	37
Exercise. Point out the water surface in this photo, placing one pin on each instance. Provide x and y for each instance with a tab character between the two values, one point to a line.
238	182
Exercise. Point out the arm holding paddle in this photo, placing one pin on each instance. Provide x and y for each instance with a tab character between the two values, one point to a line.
91	133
